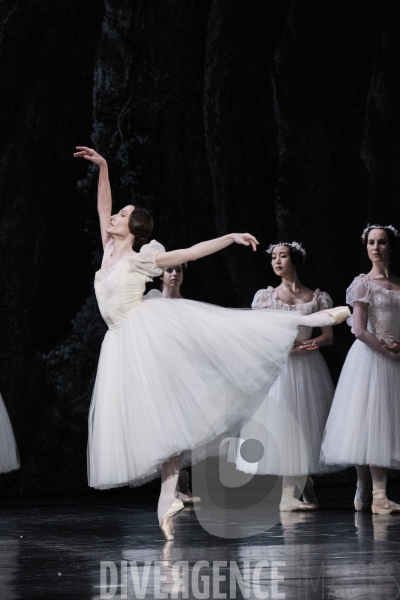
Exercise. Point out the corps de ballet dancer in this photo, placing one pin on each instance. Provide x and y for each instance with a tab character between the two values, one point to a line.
364	422
304	388
9	458
171	281
166	383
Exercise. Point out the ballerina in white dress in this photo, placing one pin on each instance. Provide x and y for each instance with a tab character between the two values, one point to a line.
9	459
304	388
364	422
172	376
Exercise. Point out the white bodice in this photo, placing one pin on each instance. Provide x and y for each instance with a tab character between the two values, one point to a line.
269	298
121	287
383	307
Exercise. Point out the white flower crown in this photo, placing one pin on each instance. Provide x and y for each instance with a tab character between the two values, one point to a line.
368	228
295	245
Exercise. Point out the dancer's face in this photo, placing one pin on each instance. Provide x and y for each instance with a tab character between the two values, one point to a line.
281	261
378	246
172	277
120	222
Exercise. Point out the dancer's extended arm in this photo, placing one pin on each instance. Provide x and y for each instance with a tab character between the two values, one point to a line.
175	257
104	198
360	321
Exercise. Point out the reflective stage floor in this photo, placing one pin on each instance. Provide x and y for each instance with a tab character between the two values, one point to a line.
107	545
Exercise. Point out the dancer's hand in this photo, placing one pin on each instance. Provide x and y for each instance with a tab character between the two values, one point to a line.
393	347
89	154
246	239
312	345
304	347
306	344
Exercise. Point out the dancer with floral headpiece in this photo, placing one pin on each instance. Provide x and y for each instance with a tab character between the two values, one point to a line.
364	422
304	390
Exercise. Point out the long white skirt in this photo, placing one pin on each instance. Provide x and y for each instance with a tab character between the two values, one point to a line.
290	422
9	460
363	427
177	375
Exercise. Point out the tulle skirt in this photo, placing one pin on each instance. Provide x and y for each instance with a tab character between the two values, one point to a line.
177	375
290	422
9	460
364	423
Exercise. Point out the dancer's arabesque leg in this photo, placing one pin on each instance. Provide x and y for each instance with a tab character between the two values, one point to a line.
325	318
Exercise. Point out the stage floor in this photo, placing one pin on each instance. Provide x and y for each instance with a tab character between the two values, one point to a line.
102	546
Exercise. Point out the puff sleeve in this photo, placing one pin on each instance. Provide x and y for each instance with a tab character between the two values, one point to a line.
145	260
263	299
152	294
324	301
359	290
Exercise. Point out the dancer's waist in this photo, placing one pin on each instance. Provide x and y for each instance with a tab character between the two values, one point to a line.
114	322
385	336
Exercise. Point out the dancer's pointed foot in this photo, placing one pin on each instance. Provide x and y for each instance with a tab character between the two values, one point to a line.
166	522
362	499
326	318
338	314
289	504
381	505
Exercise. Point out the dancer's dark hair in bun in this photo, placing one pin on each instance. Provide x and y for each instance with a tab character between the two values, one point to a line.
141	226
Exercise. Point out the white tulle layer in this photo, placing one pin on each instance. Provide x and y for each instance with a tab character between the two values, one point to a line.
364	422
290	422
9	460
176	375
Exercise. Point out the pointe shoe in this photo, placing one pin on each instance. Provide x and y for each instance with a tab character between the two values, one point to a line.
309	496
188	499
338	314
361	499
381	505
291	504
166	522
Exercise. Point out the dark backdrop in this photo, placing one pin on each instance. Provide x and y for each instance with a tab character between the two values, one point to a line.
279	117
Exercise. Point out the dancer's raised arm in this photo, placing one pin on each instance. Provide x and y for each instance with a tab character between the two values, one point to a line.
163	259
175	257
104	198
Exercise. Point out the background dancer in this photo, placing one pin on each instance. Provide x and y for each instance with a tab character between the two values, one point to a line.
9	459
304	388
363	425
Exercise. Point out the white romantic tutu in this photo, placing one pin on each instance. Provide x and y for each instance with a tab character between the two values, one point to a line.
290	422
176	375
9	460
364	424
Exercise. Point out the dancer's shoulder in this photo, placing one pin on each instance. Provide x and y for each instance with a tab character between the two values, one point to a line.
359	290
145	259
264	298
